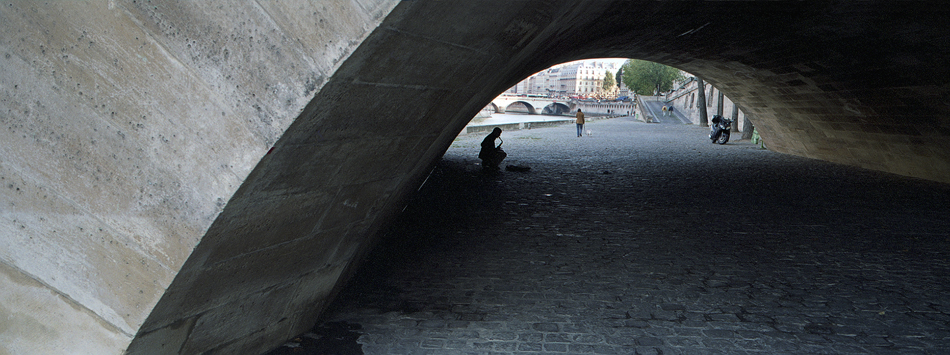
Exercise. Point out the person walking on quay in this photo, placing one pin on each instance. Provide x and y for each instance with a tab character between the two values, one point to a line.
490	154
580	122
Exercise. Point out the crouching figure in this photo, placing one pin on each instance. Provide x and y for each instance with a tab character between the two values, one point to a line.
490	154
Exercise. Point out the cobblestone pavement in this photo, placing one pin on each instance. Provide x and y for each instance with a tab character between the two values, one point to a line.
648	239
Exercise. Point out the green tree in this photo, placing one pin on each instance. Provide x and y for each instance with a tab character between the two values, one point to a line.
647	78
608	81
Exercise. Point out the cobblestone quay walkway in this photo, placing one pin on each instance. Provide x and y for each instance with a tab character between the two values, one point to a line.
647	239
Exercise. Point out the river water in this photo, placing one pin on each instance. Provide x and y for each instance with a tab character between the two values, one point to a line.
505	118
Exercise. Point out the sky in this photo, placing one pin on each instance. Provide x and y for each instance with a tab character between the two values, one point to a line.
618	61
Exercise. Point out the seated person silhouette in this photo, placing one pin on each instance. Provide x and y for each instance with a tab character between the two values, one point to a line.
490	154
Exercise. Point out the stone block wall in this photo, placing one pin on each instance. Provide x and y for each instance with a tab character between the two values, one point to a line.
125	129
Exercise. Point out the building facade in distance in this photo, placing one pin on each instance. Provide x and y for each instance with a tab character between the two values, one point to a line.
583	78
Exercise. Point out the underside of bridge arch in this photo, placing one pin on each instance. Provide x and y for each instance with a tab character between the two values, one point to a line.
556	109
193	177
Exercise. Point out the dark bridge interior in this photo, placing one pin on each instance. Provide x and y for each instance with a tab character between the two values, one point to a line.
854	83
231	164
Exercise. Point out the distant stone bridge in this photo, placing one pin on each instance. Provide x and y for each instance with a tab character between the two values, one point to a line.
548	106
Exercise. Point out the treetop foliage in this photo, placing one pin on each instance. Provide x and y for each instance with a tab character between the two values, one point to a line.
608	81
648	78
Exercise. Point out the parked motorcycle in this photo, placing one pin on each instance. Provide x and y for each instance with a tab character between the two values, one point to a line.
720	129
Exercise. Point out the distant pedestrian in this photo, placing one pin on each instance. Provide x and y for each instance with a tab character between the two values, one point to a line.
664	111
580	122
490	154
669	111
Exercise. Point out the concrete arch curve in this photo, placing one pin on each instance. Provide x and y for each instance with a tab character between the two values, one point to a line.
172	164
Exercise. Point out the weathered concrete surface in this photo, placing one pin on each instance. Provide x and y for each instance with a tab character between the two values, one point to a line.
134	136
126	128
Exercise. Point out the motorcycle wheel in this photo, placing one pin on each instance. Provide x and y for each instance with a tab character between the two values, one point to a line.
723	137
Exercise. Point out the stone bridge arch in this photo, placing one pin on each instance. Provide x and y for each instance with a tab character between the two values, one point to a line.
556	108
531	109
191	177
